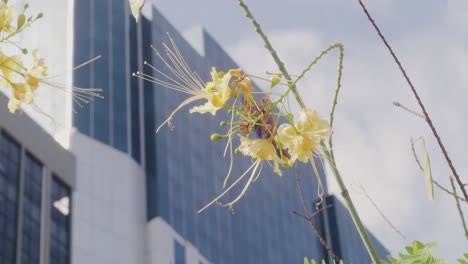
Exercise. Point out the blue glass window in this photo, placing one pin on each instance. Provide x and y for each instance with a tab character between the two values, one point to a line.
31	226
119	75
134	90
101	70
59	223
82	53
9	183
179	251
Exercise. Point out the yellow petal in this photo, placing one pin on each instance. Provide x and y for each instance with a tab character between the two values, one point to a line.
13	105
206	108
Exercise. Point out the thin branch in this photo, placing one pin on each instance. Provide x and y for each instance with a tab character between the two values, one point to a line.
270	48
397	104
314	213
416	95
459	208
383	215
447	191
433	181
308	216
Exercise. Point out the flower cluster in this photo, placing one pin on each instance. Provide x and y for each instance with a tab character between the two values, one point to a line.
23	73
23	80
266	134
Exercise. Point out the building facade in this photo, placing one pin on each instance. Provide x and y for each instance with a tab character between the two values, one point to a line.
37	177
135	193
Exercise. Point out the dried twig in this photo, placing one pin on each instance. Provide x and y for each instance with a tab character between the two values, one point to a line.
416	95
309	217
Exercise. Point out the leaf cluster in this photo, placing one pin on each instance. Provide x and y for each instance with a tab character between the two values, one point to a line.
418	253
312	261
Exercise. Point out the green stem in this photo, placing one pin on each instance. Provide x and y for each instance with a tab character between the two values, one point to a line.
272	51
448	192
349	203
352	210
459	208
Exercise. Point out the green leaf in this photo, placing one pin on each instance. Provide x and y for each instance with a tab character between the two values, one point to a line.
409	250
427	171
466	255
20	21
306	261
462	261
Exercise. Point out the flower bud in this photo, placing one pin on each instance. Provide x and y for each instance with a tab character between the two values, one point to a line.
223	123
216	137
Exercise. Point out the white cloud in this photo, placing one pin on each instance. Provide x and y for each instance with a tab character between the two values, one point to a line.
372	136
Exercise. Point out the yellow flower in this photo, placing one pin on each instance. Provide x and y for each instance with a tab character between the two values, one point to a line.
35	73
10	68
302	138
38	68
7	14
23	81
243	84
182	79
216	92
22	93
261	149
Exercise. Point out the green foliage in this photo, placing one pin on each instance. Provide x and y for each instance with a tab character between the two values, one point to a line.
463	261
312	261
418	253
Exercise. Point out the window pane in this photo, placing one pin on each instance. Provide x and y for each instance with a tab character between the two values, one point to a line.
101	70
82	53
59	223
179	253
9	181
30	247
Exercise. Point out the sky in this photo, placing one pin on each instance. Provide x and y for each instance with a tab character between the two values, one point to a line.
372	137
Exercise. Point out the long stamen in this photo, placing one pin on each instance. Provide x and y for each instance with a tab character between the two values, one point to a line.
183	72
174	84
181	58
255	164
166	84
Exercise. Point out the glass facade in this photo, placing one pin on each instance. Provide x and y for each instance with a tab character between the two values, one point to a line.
118	84
22	208
60	223
9	186
179	252
101	31
100	77
345	239
32	200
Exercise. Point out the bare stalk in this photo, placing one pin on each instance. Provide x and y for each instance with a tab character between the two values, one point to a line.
416	95
462	218
309	217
